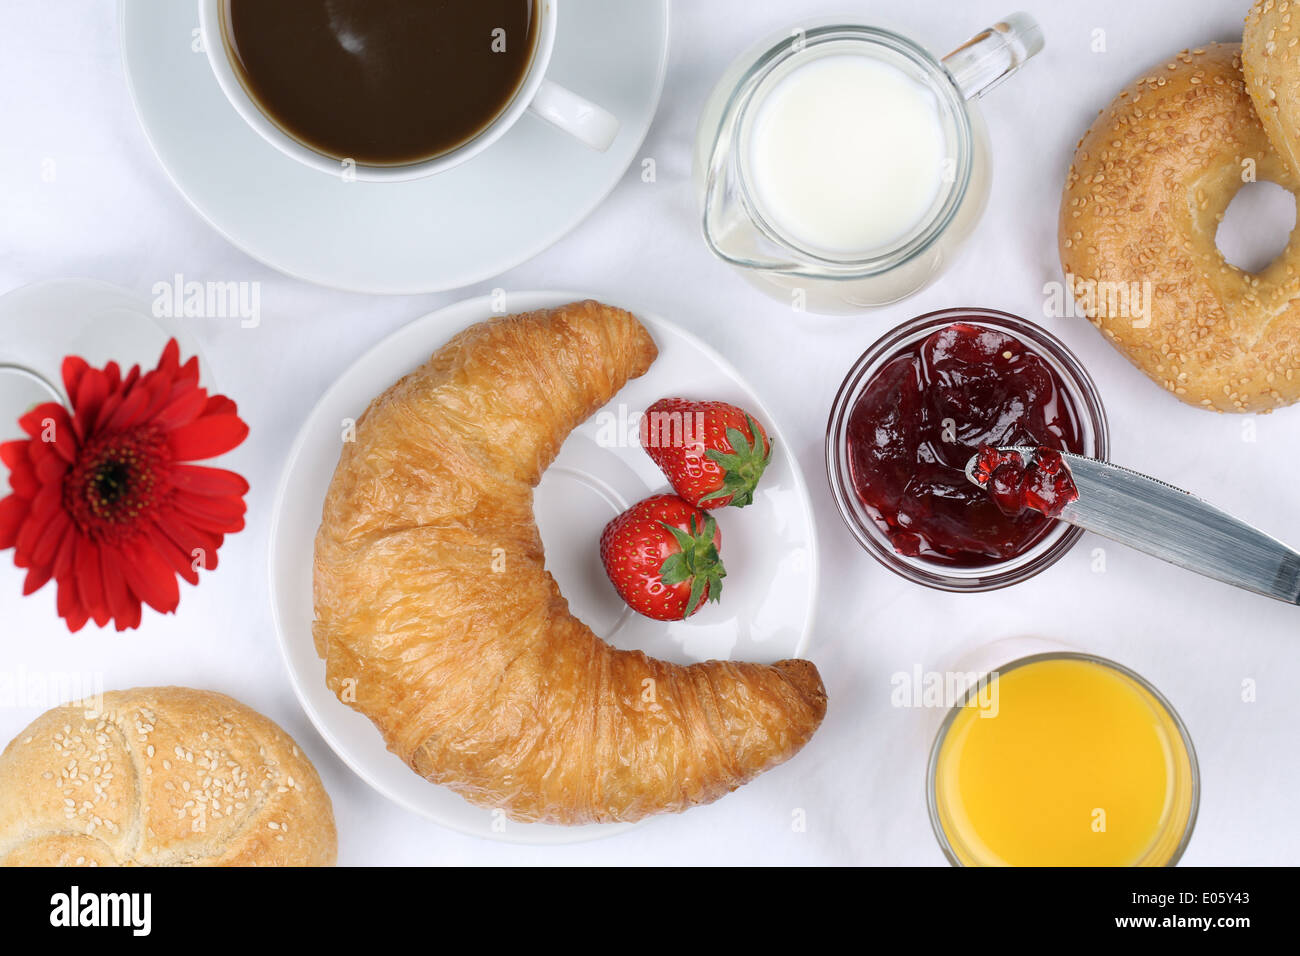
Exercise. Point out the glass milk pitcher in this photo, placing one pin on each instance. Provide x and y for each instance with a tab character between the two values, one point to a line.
800	237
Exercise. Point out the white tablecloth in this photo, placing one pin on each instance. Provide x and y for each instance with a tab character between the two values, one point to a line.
110	213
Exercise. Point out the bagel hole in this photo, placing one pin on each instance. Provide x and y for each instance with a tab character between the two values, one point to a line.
1256	226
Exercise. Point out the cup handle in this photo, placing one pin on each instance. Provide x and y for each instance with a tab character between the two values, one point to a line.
580	118
989	57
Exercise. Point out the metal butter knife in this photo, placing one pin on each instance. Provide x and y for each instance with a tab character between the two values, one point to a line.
1175	526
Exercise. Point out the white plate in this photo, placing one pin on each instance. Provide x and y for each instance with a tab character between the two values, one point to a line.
769	548
450	230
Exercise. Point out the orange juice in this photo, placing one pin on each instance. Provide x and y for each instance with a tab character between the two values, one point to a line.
1066	760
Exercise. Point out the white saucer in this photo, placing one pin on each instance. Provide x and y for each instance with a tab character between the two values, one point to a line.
769	548
450	230
42	323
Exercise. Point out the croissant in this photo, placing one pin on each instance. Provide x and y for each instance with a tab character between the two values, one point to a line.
437	619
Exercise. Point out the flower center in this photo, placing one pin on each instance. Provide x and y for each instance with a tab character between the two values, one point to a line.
110	482
117	481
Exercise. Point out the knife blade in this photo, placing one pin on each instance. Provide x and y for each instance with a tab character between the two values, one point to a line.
1156	518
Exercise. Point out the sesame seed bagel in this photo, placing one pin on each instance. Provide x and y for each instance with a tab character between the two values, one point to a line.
161	776
1270	58
1147	189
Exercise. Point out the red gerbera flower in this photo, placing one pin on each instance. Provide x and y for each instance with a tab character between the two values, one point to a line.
103	501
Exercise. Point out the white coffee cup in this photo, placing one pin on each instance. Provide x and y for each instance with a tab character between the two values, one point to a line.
580	118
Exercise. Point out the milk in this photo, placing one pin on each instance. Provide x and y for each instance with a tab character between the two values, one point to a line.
847	154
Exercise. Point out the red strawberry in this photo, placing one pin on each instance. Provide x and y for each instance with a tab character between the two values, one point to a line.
712	453
662	557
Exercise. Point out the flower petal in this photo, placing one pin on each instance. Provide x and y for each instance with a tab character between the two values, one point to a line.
68	603
189	372
182	562
161	393
116	594
207	437
50	539
50	427
110	406
74	367
50	470
23	478
149	577
90	581
189	538
12	452
43	509
220	405
36	579
62	564
202	480
224	515
132	619
13	512
130	412
41	453
170	360
180	409
47	503
88	395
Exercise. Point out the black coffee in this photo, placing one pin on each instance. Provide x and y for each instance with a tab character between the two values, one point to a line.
382	82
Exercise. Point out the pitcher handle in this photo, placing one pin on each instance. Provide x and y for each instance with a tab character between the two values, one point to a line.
989	57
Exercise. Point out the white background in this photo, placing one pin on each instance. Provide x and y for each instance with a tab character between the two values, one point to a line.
111	214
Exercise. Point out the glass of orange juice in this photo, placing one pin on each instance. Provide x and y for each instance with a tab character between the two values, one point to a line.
1061	758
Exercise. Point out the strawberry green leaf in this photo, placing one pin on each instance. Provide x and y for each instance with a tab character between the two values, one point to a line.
742	467
739	443
696	561
675	570
697	595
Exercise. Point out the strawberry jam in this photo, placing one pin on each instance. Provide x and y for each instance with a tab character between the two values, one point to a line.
921	417
1044	485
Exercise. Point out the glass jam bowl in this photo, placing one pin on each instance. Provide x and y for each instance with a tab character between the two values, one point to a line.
868	526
